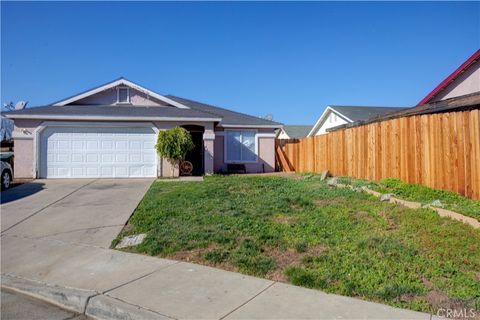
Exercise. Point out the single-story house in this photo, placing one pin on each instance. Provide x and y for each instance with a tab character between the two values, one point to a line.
293	131
335	116
110	131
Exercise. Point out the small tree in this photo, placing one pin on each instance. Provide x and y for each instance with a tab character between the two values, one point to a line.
173	145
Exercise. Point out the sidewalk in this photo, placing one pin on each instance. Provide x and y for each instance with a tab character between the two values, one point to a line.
109	284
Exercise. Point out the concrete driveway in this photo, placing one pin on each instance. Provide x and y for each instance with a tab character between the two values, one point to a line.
90	211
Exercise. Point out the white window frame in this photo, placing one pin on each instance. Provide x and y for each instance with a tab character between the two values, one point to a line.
225	146
118	95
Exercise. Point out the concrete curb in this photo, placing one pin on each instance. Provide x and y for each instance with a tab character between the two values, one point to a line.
107	308
67	298
90	303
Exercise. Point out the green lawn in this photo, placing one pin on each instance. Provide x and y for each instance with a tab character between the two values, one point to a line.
422	194
298	230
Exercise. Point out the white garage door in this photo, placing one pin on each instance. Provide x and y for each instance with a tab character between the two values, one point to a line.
74	152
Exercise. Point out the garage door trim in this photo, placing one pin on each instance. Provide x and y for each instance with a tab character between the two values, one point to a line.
70	124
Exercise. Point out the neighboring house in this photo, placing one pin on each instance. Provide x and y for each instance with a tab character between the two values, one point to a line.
465	80
111	131
335	116
293	131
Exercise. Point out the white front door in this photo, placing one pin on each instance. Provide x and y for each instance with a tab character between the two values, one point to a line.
97	152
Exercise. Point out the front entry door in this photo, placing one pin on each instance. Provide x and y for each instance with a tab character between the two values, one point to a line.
196	155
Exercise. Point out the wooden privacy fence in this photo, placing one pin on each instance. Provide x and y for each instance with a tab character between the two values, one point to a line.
437	150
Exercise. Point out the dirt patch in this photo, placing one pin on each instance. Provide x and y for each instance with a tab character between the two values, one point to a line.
315	250
284	219
439	299
284	258
194	255
287	258
198	256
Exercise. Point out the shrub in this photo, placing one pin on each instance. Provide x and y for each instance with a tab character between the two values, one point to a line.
174	144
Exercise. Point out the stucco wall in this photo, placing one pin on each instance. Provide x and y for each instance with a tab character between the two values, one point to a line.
332	120
466	83
23	160
24	148
109	97
266	153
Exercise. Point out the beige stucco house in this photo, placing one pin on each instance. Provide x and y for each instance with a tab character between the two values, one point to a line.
110	131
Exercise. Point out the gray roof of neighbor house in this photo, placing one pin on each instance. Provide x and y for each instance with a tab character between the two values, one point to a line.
107	111
359	113
297	131
229	117
462	103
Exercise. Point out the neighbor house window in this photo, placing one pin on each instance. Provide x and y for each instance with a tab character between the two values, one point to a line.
240	146
123	95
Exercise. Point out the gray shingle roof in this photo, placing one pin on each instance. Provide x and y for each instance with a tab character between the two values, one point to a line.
461	103
297	131
359	113
229	117
113	111
197	110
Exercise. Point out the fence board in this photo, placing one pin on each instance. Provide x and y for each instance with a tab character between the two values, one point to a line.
438	150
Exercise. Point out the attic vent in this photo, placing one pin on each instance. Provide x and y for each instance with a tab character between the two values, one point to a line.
123	95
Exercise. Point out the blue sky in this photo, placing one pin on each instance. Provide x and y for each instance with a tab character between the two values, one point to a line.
289	59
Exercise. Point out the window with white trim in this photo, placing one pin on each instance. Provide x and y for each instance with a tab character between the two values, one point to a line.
123	95
240	146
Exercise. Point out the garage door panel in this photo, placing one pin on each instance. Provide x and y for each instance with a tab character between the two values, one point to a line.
78	172
97	152
107	144
77	157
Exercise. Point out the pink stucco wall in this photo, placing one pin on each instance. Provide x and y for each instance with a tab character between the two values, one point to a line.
23	148
23	160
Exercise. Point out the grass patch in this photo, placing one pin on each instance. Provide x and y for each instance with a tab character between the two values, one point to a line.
415	192
301	231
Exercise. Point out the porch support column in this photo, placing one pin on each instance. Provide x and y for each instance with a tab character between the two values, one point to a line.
208	142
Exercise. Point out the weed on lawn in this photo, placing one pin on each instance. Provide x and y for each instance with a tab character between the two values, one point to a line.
301	231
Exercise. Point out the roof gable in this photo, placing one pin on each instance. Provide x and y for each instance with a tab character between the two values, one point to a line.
119	82
351	114
297	131
451	78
